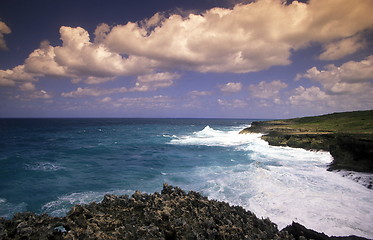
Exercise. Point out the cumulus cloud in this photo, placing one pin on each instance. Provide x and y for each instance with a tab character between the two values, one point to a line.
347	87
78	58
249	37
304	95
267	90
341	48
231	87
17	74
245	38
351	77
4	29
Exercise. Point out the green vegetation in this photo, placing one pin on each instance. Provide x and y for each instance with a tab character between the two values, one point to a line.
348	122
347	136
360	122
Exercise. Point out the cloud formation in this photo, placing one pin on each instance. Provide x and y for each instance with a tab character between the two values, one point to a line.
349	86
236	103
154	81
351	77
81	92
4	29
250	37
341	48
231	87
247	38
267	90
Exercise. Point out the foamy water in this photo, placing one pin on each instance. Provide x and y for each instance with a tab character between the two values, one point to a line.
285	184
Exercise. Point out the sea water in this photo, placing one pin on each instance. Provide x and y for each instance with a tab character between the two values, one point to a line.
49	165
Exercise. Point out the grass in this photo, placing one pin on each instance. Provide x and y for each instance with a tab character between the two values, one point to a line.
348	122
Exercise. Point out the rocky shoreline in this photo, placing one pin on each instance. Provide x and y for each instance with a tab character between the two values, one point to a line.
351	150
171	214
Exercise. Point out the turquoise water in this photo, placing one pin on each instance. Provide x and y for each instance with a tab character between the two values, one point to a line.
48	165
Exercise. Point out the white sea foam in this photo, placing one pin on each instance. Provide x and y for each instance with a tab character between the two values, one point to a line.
284	184
7	209
43	166
211	137
63	204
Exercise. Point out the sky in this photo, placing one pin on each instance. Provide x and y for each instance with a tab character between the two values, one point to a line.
185	59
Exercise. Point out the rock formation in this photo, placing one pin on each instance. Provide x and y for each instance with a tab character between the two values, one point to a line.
171	214
352	149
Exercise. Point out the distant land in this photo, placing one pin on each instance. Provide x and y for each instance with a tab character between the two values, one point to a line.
348	136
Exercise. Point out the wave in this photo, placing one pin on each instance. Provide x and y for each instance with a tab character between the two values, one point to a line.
211	137
62	205
7	209
282	183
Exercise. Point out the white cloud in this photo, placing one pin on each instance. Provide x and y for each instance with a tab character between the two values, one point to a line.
41	94
231	87
27	86
317	100
162	76
154	81
249	37
4	29
33	94
196	93
11	76
77	58
341	48
106	100
154	102
267	90
351	77
42	62
149	82
81	92
236	103
344	88
246	38
84	58
305	95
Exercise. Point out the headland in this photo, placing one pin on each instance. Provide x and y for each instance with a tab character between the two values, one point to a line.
348	136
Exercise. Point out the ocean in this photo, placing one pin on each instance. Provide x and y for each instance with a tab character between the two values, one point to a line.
49	165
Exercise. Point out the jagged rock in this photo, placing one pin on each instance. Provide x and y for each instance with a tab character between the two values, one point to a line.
171	214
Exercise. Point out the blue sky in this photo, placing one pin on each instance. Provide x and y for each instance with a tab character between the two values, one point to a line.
205	58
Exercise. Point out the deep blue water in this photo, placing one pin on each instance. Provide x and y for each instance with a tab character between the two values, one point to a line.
42	159
48	165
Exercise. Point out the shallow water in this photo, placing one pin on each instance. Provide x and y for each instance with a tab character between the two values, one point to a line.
49	165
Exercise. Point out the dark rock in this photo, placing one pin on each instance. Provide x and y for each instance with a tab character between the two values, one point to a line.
352	152
171	214
298	231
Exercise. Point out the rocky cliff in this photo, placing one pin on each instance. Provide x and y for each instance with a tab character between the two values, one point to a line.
171	214
347	136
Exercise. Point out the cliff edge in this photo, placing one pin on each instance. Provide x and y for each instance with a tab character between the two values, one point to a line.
347	136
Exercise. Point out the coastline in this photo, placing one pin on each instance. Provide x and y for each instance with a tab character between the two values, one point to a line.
351	149
171	214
